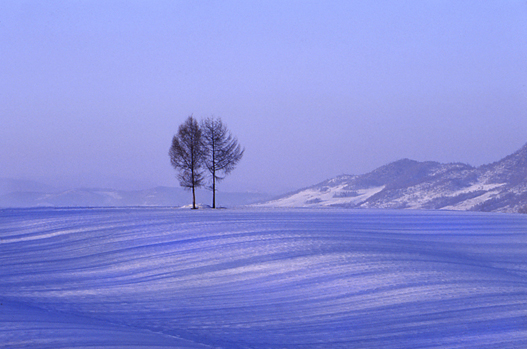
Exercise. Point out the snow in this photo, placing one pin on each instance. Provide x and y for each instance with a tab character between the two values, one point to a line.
261	278
470	203
112	194
478	187
320	198
418	196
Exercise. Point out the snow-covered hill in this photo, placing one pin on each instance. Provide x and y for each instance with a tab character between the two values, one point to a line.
498	187
261	279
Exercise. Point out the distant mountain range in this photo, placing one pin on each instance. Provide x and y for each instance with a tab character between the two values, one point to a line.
404	184
408	184
19	193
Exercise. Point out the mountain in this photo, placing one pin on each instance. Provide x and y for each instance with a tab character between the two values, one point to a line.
408	184
34	195
9	185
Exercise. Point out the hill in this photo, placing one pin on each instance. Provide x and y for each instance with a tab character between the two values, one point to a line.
409	184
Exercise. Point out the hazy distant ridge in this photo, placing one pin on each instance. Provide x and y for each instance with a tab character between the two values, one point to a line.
15	193
409	184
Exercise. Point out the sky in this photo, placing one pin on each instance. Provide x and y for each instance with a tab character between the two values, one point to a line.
92	92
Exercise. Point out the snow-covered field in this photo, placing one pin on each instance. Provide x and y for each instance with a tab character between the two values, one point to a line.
166	278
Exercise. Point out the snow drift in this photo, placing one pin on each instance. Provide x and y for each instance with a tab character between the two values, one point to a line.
159	278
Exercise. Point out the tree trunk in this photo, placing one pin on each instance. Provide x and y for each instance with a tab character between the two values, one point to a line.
213	173
193	198
213	191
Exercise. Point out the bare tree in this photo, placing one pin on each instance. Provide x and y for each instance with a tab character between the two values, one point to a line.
186	155
222	151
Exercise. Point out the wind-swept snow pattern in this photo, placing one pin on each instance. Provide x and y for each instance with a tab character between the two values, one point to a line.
164	278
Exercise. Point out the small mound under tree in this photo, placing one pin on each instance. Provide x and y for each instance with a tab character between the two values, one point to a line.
221	151
187	156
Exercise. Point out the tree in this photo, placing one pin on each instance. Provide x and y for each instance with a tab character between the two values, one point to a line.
186	155
222	151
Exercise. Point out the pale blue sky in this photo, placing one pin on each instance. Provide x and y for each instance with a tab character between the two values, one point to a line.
91	92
